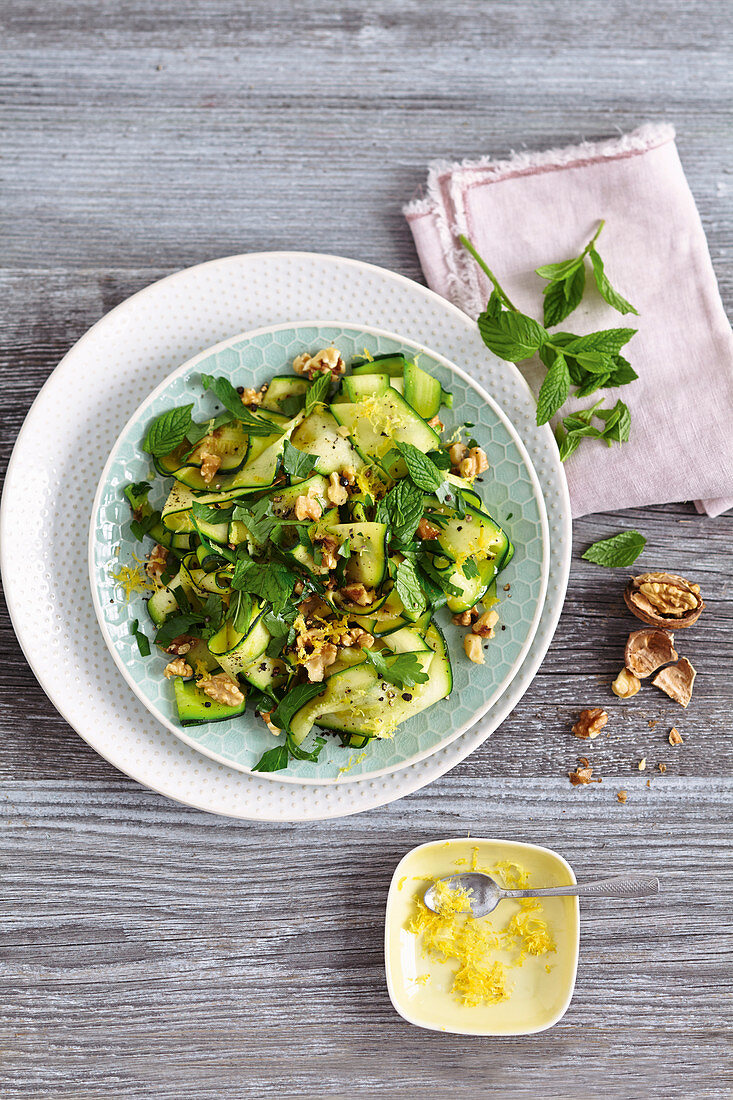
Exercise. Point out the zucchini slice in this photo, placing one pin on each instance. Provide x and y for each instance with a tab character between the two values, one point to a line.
422	391
376	423
318	435
195	708
391	363
367	543
365	385
282	387
267	674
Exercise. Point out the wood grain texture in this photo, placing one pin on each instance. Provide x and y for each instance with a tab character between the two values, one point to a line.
148	949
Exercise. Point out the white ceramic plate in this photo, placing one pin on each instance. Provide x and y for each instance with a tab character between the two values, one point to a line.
64	444
511	493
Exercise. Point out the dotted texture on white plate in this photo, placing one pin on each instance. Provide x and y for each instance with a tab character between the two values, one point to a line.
510	491
64	445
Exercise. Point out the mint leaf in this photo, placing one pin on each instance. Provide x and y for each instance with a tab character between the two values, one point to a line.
605	289
298	463
240	610
167	431
608	341
274	760
563	296
293	701
511	336
403	506
618	423
142	641
617	552
317	391
592	383
259	520
554	391
623	372
559	272
424	473
402	671
231	400
174	626
269	580
408	588
208	513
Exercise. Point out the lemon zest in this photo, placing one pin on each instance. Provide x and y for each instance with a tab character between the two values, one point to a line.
132	580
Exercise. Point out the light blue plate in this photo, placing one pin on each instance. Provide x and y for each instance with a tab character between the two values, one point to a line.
511	493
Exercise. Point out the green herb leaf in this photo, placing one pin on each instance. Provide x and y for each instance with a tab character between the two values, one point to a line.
230	399
240	610
137	494
511	336
167	431
258	519
623	372
142	641
402	671
424	473
175	626
554	391
293	701
608	341
619	551
403	508
408	588
563	296
298	463
605	289
470	569
274	760
592	383
269	580
559	272
300	753
618	423
317	391
207	513
441	459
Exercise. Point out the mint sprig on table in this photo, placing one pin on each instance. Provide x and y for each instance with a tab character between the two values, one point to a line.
617	552
588	363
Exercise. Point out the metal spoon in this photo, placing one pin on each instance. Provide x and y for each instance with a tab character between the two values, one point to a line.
486	893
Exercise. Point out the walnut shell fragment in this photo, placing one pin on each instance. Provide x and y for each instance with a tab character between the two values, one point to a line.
676	681
647	650
664	599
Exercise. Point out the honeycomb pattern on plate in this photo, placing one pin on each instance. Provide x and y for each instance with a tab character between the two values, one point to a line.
510	492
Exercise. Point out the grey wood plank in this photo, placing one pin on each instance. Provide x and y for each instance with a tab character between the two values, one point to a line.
144	952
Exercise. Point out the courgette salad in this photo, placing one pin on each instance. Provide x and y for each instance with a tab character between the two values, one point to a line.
312	530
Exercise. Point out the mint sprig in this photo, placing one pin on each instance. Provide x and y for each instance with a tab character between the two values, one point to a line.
403	671
566	282
618	552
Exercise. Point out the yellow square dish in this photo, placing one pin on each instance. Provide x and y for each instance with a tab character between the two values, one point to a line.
420	985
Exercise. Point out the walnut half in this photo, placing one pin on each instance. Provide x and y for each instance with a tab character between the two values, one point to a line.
590	723
664	599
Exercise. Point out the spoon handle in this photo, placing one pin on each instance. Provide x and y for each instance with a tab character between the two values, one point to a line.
621	886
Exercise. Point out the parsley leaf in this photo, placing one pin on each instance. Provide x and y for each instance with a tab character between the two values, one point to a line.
554	390
240	610
142	641
617	552
231	400
317	391
167	431
300	753
298	463
470	569
293	701
605	289
274	760
408	588
208	513
259	520
269	580
402	671
174	626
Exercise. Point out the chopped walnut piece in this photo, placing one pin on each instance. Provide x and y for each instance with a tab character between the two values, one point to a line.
676	681
484	625
181	645
427	530
157	559
621	796
329	546
436	424
590	723
179	667
583	774
457	452
358	594
642	764
210	464
266	716
474	464
307	508
356	637
316	665
326	360
473	648
348	474
252	397
464	619
222	689
336	492
662	768
664	599
647	650
675	737
626	684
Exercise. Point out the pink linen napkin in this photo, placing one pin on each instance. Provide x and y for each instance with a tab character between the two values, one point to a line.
539	208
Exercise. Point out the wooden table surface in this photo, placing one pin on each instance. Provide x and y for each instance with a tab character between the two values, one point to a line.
151	950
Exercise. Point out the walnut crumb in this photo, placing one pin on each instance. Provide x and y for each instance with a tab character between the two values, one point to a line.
675	737
266	716
583	774
222	689
155	566
484	625
179	667
590	723
336	492
662	768
622	796
357	593
328	360
473	648
652	723
642	764
307	508
181	645
210	464
427	530
473	464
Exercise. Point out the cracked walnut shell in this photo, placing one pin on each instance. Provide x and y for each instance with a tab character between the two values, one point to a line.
676	681
647	650
664	599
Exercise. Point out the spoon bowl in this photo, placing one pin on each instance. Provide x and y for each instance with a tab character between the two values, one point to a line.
485	893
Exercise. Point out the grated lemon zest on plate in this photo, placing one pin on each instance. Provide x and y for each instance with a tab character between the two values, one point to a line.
132	580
